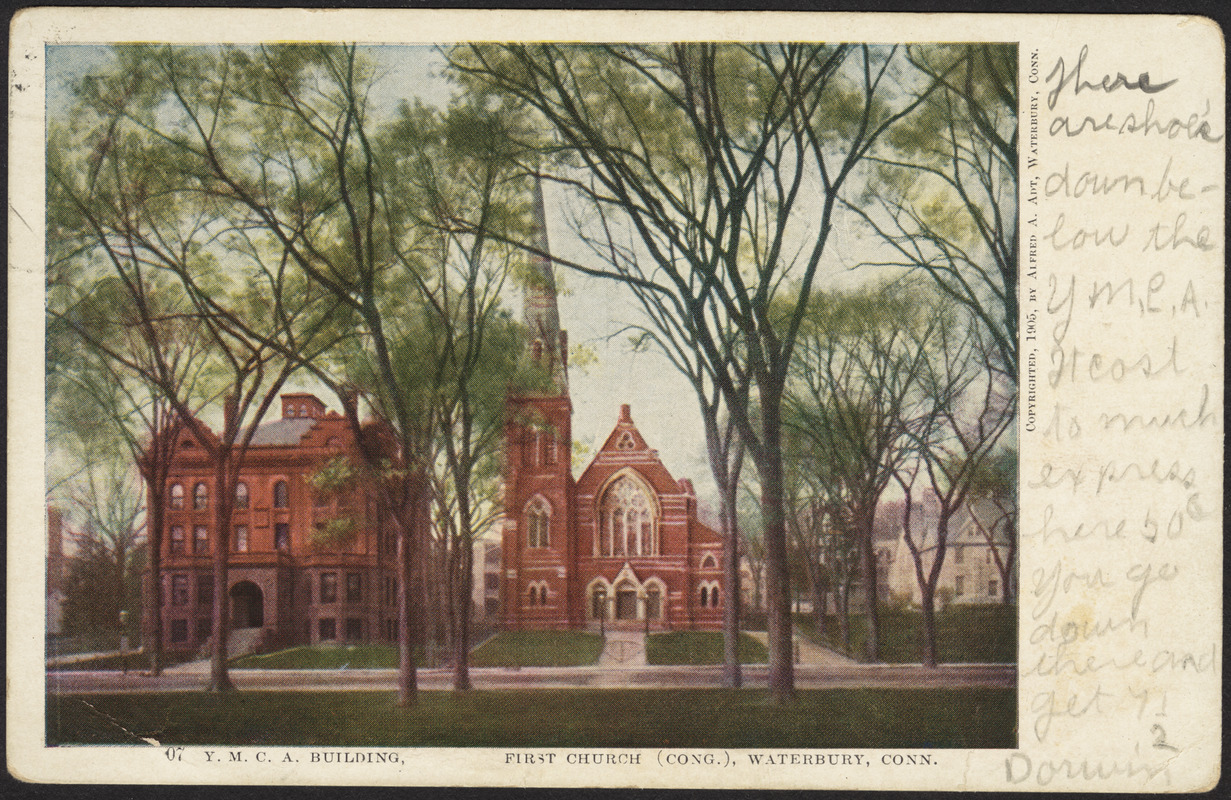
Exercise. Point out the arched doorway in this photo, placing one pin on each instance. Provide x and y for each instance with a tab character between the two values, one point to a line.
247	605
626	602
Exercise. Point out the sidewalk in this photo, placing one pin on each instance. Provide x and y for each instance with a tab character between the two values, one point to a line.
861	676
623	648
809	653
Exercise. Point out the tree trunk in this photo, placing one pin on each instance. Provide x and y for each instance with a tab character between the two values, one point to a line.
929	624
461	637
732	673
773	502
844	616
407	691
153	603
219	678
871	601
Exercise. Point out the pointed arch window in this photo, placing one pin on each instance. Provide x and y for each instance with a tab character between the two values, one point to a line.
628	525
538	519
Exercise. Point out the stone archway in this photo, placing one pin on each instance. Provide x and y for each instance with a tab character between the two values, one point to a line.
247	605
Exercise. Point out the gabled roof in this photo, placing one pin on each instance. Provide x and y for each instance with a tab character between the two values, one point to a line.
625	437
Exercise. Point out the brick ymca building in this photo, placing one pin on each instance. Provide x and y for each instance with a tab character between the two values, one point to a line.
285	586
621	544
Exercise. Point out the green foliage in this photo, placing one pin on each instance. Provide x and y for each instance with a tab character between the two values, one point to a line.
538	649
334	532
699	647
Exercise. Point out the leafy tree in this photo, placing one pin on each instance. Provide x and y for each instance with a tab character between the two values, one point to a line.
157	218
856	399
971	407
993	509
944	200
727	161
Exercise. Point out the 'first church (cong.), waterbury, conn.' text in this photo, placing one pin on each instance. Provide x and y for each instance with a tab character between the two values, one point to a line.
620	545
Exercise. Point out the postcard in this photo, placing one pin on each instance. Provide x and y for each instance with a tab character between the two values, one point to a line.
616	399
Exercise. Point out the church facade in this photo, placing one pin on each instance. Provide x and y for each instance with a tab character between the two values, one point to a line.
619	545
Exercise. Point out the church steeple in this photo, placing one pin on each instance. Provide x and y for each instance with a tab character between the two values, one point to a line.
548	344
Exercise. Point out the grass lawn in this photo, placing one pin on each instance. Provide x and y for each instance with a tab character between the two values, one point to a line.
539	718
964	634
699	647
362	656
538	649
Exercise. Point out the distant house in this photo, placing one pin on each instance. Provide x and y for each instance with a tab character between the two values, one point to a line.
306	566
969	574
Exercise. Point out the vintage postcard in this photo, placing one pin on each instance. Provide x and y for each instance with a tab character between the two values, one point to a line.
626	399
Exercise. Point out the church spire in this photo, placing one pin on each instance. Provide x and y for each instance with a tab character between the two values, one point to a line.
548	344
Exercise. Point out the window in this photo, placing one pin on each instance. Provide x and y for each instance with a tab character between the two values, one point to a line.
538	516
491	582
177	538
957	554
200	539
993	588
179	590
713	597
200	497
179	630
543	594
303	410
653	603
241	495
282	536
709	562
205	629
205	591
705	596
354	629
959	585
627	522
532	596
177	496
281	499
329	587
354	587
551	449
328	629
241	538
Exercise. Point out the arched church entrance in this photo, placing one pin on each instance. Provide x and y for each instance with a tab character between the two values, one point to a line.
247	605
626	602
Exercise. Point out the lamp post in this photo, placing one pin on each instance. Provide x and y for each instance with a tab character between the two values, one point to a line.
124	641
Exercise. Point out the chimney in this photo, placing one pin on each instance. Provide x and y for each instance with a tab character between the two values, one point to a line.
626	415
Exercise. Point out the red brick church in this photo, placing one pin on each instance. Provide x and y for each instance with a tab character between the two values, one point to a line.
619	545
